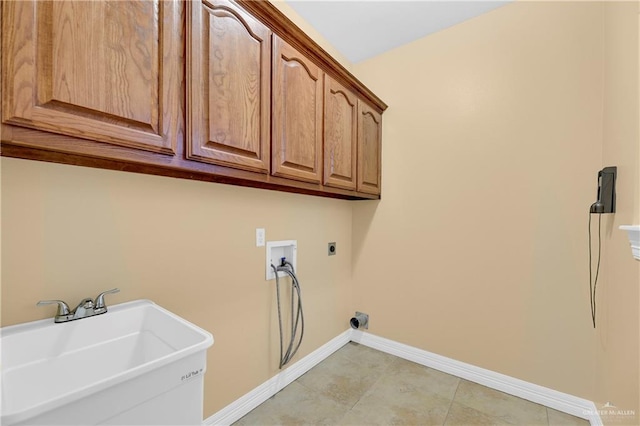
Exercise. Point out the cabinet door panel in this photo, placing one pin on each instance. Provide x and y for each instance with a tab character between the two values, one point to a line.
369	149
297	115
340	128
229	86
103	70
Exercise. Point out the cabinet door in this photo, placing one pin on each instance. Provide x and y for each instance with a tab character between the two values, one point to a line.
102	70
297	115
340	128
369	149
228	86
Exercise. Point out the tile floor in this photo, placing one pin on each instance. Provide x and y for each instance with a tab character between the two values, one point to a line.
358	385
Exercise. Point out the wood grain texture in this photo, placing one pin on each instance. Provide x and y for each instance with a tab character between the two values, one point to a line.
369	149
21	142
104	70
294	36
340	129
228	80
96	130
296	144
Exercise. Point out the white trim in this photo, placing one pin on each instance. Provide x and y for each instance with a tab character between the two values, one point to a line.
277	250
633	232
240	407
539	394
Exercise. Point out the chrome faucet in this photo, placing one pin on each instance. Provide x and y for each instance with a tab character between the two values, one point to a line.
85	309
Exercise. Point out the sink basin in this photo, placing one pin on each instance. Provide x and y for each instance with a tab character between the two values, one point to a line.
127	366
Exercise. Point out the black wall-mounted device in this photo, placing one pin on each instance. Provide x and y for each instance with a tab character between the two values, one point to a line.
606	191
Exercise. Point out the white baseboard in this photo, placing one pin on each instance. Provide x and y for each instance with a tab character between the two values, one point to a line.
539	394
240	407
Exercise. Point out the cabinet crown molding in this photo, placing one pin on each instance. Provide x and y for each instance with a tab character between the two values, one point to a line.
298	39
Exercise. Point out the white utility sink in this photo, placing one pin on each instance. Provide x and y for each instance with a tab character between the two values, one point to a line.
136	364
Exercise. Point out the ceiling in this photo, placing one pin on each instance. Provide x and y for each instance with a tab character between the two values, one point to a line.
363	29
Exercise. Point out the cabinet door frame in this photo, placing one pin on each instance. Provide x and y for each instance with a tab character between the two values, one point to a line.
369	186
280	165
28	89
332	178
200	144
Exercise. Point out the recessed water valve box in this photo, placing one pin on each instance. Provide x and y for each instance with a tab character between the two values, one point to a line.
276	250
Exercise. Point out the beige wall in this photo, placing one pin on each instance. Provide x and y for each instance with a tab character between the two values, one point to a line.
491	145
492	141
70	232
617	345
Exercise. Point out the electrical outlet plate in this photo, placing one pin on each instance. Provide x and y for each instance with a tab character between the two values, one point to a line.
276	250
332	249
260	236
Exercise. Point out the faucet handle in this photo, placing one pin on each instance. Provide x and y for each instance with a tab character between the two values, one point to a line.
63	308
100	299
86	303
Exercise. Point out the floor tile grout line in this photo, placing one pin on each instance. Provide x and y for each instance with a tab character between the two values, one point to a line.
495	416
346	413
353	362
371	386
451	402
385	369
322	396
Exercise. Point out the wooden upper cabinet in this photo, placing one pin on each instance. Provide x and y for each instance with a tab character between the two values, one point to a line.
296	116
228	91
228	86
340	129
369	149
103	70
